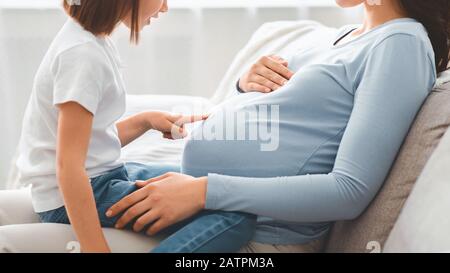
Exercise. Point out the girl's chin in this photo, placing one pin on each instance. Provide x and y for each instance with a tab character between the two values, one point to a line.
145	24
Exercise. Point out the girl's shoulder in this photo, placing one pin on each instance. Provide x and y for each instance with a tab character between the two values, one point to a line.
73	42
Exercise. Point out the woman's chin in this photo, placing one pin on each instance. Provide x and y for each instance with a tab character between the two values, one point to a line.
349	3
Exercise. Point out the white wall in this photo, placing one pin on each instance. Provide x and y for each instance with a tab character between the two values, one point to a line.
186	52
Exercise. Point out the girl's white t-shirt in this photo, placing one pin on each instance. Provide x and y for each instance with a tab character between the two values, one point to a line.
78	67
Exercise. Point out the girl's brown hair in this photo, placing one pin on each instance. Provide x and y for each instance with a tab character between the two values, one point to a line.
101	17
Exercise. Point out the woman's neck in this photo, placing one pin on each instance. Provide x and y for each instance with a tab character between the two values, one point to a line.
376	15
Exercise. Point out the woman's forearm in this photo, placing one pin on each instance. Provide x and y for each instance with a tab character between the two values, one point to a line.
305	198
132	128
81	208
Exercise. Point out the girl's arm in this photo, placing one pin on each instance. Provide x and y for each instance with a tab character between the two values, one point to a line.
132	128
74	131
171	125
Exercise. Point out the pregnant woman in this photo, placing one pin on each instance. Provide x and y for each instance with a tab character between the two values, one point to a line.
342	119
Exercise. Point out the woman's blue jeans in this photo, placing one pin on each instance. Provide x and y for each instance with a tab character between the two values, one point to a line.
206	232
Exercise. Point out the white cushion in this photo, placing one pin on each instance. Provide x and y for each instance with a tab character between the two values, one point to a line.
16	208
424	223
57	238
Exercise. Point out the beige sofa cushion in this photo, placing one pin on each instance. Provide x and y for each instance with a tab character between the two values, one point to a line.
373	227
424	222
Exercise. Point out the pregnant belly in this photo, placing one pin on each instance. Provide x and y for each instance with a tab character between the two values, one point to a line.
236	158
242	140
299	150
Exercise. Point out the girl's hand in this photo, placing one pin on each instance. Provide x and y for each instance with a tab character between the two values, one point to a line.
266	75
163	201
171	125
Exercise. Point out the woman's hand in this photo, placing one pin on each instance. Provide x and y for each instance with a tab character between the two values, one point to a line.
266	75
163	201
171	125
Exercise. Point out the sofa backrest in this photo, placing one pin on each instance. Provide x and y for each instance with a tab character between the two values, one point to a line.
370	231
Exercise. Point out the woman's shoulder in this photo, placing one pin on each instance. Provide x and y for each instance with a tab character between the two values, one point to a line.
403	38
401	31
403	46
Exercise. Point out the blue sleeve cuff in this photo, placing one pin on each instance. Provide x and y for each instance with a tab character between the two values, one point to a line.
240	91
214	191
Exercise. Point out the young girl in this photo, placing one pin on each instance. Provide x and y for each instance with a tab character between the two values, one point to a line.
71	140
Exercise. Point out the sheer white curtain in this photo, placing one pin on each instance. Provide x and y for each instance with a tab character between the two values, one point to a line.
185	52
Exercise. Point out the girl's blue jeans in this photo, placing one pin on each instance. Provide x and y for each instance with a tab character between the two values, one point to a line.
206	232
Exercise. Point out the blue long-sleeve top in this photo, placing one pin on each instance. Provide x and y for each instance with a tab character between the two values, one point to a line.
333	132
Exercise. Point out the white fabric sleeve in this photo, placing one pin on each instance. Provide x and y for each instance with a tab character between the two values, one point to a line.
79	76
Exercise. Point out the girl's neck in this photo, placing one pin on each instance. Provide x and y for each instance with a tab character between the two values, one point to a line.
376	15
102	36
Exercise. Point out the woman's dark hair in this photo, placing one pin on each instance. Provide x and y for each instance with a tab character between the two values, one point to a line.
434	15
101	17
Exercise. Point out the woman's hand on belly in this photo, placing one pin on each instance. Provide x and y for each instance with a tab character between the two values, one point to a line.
268	74
163	201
